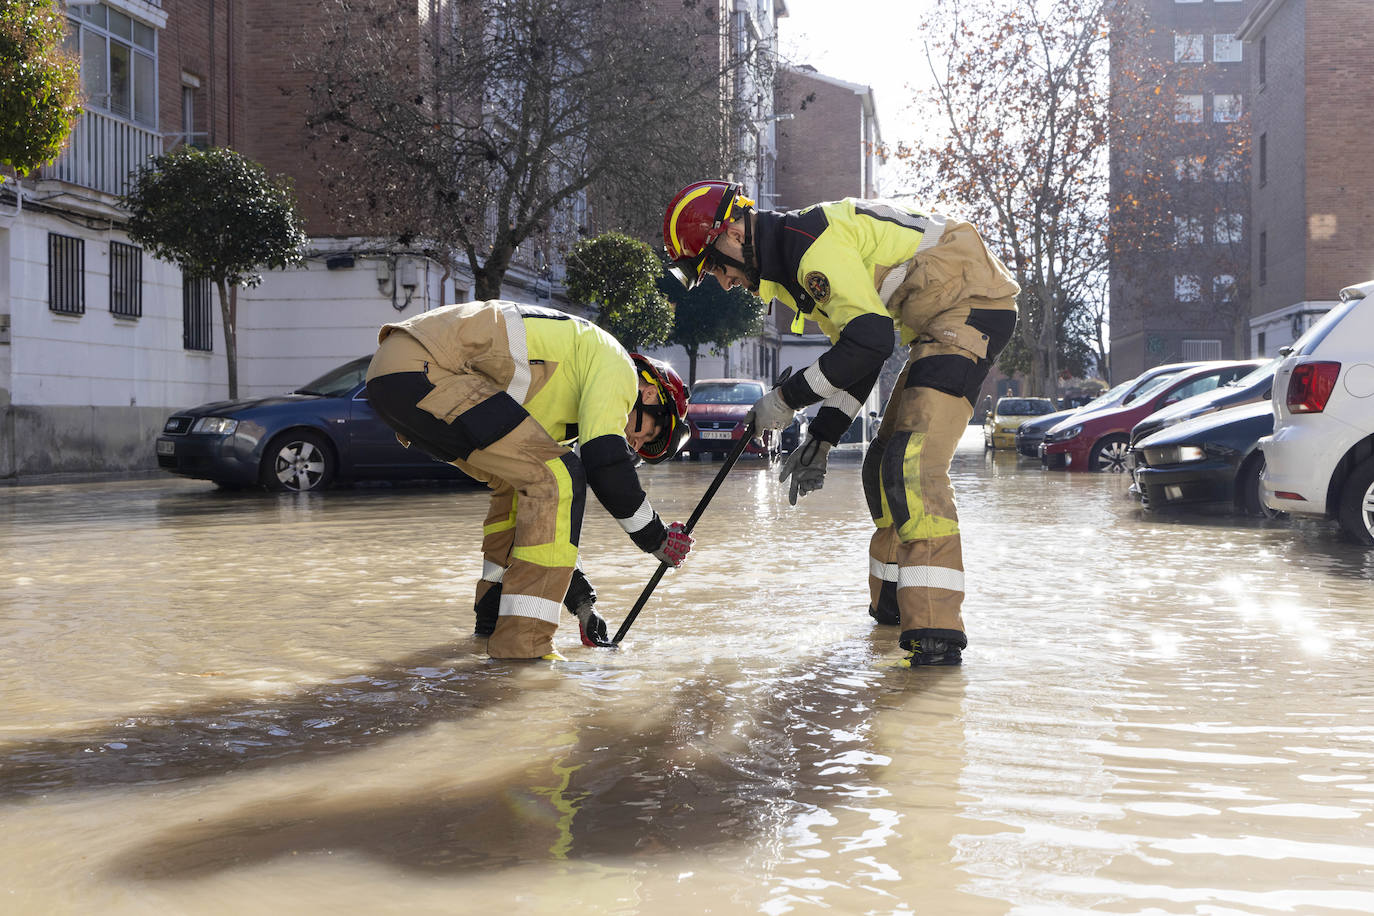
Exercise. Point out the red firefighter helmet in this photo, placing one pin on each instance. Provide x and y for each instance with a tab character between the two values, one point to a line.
696	218
670	411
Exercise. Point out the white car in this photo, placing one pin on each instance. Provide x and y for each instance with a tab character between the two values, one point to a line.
1320	459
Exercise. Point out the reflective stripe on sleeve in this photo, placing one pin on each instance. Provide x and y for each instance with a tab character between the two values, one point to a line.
643	516
816	379
885	571
844	401
492	572
519	386
931	577
530	606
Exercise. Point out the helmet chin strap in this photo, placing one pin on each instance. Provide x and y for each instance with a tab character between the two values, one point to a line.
751	265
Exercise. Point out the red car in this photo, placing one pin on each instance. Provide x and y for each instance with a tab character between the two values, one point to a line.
1100	440
716	414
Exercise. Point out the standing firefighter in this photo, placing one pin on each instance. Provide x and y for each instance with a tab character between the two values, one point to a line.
855	267
499	390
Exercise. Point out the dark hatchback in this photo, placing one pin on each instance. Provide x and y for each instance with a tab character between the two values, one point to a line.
1210	458
306	440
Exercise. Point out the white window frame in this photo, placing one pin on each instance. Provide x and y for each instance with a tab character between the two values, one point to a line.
1229	229
1190	48
90	22
1188	108
1224	289
1226	49
1226	107
1188	231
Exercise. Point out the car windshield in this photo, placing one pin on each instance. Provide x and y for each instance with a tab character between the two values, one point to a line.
1153	387
1024	407
1252	378
338	382
727	393
1109	396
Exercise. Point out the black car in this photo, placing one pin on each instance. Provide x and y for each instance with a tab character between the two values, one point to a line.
1031	433
305	440
1210	458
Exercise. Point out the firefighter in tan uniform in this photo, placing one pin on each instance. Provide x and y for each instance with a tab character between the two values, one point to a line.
856	267
500	390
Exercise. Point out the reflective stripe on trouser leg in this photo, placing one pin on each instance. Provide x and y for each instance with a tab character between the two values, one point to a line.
548	493
919	499
882	547
498	535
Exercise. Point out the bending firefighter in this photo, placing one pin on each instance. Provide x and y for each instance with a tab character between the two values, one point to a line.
856	267
501	390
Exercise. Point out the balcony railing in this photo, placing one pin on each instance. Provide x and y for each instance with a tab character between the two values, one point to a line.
102	153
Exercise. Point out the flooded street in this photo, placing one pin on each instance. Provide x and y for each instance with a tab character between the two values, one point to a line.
230	703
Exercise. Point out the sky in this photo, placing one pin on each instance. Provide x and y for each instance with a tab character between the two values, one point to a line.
877	43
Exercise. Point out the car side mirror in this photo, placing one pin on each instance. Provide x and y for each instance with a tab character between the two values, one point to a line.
1286	350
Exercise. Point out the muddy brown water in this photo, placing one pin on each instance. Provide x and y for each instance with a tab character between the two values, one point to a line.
247	703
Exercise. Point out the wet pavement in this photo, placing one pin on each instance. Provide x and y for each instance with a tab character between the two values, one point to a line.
230	703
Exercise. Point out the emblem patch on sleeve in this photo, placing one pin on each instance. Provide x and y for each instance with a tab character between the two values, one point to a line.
817	285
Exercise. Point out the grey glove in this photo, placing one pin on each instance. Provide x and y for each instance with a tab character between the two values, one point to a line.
806	466
770	412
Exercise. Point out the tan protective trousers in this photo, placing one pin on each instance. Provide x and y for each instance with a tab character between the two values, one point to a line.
529	539
957	304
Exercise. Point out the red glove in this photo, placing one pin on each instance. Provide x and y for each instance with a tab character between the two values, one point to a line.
676	544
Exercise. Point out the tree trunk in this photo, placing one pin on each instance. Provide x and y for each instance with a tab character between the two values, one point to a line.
228	308
691	364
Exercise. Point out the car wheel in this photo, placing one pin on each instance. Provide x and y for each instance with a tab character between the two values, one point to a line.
1356	512
1110	454
298	461
1248	497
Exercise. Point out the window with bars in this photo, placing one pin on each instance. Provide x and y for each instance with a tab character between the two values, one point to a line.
1201	350
197	320
126	280
66	274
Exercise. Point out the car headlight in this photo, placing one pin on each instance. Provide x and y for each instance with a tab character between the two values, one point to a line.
1064	435
215	426
1174	454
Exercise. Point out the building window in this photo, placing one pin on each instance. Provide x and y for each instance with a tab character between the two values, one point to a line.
197	324
1187	230
1225	49
1263	258
1188	109
1201	350
1187	288
1263	159
118	62
1226	107
126	280
1224	289
1229	228
1188	49
1189	168
1262	59
1226	167
1259	345
66	274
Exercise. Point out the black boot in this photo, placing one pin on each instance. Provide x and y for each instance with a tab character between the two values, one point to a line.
487	610
931	652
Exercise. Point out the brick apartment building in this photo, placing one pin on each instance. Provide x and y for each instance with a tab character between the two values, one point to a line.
99	341
1183	294
1311	175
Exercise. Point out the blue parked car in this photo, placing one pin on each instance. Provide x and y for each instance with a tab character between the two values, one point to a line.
1213	457
306	440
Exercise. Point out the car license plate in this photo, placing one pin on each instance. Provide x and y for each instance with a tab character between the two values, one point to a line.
166	447
716	434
